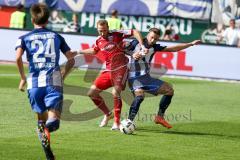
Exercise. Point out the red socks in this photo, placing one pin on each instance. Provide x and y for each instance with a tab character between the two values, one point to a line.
99	102
117	109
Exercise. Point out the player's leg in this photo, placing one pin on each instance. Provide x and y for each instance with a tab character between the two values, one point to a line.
101	83
94	94
156	86
53	101
36	98
116	92
138	86
167	91
138	98
119	78
44	135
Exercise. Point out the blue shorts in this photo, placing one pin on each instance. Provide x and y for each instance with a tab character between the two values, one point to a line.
145	82
44	98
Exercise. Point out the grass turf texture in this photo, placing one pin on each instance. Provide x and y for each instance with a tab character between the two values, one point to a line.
204	115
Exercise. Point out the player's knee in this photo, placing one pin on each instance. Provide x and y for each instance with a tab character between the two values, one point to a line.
167	90
89	94
170	91
93	92
53	124
116	93
139	93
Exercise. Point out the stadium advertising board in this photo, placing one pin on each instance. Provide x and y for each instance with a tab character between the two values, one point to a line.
201	61
187	29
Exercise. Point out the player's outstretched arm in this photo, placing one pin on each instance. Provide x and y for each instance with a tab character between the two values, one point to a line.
87	51
138	36
20	67
70	57
181	46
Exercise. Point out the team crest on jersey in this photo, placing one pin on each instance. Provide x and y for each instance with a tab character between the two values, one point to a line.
109	47
110	38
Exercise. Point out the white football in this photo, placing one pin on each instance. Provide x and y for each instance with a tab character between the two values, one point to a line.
127	126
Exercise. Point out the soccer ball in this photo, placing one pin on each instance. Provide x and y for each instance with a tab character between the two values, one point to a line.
127	126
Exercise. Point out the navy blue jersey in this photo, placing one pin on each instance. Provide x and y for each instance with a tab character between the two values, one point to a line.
42	48
142	66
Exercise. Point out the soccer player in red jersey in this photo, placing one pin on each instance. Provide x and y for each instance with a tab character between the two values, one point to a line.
110	45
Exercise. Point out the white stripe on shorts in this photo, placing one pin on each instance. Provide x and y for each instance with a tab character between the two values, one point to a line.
42	79
29	81
57	78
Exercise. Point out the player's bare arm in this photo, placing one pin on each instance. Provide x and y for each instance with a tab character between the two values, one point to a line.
20	67
181	46
138	36
70	63
70	56
87	51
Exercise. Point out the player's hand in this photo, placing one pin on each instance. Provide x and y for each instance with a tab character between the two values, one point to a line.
137	56
22	84
63	74
196	42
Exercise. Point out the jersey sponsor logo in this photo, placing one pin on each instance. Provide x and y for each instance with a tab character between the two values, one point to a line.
109	47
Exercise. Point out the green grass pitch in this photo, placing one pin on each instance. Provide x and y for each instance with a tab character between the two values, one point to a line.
205	117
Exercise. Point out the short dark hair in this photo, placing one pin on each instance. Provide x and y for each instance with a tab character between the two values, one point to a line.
20	7
40	13
114	12
155	30
168	32
232	20
102	22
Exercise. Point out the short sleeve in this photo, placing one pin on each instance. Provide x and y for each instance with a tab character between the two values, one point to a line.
133	45
64	46
20	44
158	47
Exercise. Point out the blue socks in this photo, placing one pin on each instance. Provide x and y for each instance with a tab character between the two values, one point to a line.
135	107
52	124
164	103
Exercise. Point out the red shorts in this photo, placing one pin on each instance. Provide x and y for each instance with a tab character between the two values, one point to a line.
109	79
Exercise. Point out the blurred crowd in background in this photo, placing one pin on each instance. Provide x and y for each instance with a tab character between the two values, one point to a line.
212	21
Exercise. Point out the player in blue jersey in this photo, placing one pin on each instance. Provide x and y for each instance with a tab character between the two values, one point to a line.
44	82
140	80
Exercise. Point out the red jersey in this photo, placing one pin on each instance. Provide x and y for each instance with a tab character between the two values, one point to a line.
111	48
